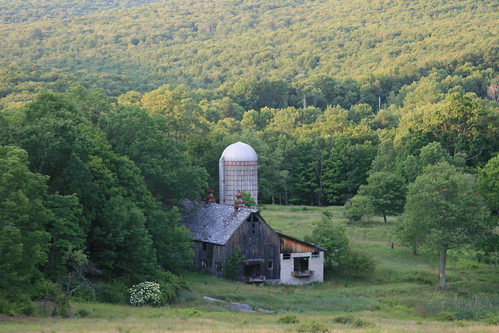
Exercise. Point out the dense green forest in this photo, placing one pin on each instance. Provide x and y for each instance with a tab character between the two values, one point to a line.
113	112
221	44
18	11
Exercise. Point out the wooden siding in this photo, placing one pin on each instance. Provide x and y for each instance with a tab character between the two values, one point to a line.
291	245
260	246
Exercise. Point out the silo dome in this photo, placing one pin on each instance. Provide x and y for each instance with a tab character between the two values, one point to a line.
238	170
239	152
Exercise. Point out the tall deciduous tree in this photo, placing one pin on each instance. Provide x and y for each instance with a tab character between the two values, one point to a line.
166	167
76	155
462	124
23	240
488	182
386	192
180	111
443	211
67	235
346	168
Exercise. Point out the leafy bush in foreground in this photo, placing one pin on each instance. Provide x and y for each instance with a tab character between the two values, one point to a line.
288	319
312	326
146	293
357	264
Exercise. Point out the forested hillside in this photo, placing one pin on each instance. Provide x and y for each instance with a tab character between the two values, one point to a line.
113	112
19	11
206	44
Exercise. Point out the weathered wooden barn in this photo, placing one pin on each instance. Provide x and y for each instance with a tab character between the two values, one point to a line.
268	256
217	229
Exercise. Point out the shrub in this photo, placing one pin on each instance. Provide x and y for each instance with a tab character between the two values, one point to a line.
358	207
113	292
331	236
350	320
357	264
446	316
170	285
146	293
288	319
186	313
344	319
83	313
18	305
176	281
168	293
233	264
312	326
52	299
492	319
361	323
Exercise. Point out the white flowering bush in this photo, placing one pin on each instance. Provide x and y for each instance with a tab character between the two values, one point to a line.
146	293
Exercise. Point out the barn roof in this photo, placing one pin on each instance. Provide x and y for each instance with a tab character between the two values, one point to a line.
214	223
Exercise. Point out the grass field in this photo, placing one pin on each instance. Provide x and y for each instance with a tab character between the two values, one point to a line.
400	296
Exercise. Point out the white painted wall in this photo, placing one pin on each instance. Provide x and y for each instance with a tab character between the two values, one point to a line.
314	264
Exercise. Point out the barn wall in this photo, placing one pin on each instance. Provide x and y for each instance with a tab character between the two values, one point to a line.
209	257
260	246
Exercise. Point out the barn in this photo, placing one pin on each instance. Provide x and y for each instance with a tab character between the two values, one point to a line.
218	229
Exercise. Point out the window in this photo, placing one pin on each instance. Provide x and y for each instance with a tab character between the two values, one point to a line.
204	263
315	254
252	218
301	268
270	264
219	267
301	264
286	256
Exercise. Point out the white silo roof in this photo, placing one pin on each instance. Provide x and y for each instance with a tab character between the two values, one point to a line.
239	152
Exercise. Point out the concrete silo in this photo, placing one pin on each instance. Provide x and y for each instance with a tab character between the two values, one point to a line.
238	168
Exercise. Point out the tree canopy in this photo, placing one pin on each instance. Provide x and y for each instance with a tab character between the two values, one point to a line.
443	211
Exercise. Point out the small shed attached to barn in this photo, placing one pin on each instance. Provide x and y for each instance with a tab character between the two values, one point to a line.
300	262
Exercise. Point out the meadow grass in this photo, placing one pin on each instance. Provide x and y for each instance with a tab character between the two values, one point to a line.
400	296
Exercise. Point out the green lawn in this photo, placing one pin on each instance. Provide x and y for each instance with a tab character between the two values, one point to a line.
400	296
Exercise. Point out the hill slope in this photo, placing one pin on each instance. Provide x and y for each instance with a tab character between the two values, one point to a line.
207	43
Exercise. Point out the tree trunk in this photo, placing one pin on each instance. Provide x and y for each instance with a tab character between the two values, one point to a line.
384	217
443	259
